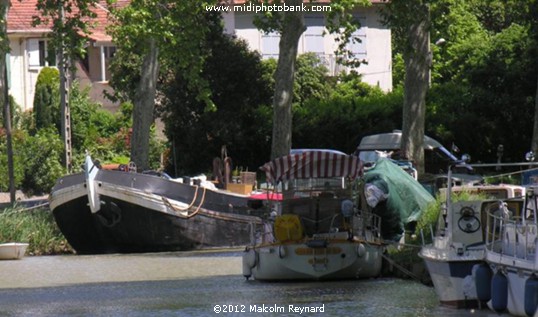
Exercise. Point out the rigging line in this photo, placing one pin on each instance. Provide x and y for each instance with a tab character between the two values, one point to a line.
512	173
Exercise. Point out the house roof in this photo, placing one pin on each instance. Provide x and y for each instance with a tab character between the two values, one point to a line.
19	19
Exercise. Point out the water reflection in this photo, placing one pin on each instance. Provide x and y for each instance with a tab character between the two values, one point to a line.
197	294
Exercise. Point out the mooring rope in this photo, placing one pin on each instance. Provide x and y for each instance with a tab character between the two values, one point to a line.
179	211
190	205
401	268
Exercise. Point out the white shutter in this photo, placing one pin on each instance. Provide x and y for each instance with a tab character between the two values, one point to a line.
270	45
313	35
33	52
359	48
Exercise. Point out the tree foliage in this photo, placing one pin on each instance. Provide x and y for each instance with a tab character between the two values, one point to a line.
240	122
155	32
484	77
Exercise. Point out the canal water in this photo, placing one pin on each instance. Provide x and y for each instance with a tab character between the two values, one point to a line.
196	284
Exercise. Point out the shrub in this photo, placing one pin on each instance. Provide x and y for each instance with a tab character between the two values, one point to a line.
47	98
42	167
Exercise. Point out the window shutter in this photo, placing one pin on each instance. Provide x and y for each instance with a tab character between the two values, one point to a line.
33	52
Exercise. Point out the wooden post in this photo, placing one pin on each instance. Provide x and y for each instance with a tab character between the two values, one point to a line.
64	101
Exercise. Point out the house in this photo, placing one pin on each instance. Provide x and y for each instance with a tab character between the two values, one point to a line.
30	52
374	48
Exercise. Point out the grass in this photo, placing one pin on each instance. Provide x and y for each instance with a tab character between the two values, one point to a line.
35	227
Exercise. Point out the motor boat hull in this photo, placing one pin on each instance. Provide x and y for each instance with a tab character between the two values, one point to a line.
298	261
122	212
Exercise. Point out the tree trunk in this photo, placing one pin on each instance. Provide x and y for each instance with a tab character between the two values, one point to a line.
4	100
534	145
417	62
143	107
292	28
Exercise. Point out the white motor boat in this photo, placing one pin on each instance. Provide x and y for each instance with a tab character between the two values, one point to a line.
318	230
511	252
457	252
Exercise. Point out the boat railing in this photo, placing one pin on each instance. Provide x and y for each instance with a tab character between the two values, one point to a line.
367	225
511	235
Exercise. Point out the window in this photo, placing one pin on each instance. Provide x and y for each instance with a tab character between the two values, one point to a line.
110	51
270	45
313	35
40	53
358	47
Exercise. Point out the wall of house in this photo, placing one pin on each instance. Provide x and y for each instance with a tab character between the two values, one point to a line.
375	47
24	69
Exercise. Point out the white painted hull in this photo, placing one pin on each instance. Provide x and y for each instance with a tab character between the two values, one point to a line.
452	290
12	251
296	261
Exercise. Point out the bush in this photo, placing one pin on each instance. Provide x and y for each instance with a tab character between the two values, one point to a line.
19	139
42	166
340	121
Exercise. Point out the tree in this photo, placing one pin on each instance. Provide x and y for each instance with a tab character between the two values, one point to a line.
410	22
241	94
70	22
153	34
291	26
4	96
484	77
533	14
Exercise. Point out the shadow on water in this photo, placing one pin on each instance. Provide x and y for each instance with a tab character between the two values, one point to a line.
234	296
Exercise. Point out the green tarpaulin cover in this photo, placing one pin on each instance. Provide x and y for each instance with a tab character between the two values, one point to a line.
402	199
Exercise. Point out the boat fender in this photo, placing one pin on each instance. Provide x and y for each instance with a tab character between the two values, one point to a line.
249	261
483	281
531	296
247	270
499	292
282	251
361	250
251	257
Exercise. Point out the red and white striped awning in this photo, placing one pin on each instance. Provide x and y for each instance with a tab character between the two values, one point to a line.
312	164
